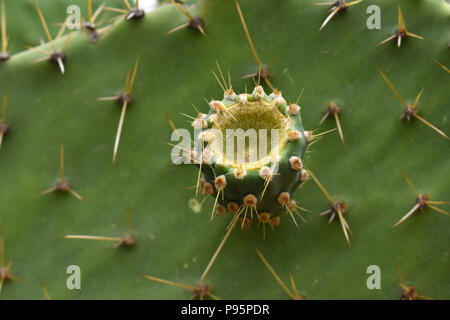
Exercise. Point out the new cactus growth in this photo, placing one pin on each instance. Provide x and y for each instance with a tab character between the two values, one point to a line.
252	178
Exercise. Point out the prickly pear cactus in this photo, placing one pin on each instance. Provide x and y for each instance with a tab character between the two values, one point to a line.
374	187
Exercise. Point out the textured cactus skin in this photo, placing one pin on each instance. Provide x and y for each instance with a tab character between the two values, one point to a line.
337	64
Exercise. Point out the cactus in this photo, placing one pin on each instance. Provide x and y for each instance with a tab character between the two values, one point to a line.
385	172
248	187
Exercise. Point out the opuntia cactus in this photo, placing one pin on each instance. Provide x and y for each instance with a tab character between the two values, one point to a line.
388	178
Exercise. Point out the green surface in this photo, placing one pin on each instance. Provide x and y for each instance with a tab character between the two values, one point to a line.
23	24
336	64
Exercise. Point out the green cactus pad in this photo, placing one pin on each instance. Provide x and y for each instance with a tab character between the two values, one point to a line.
337	64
